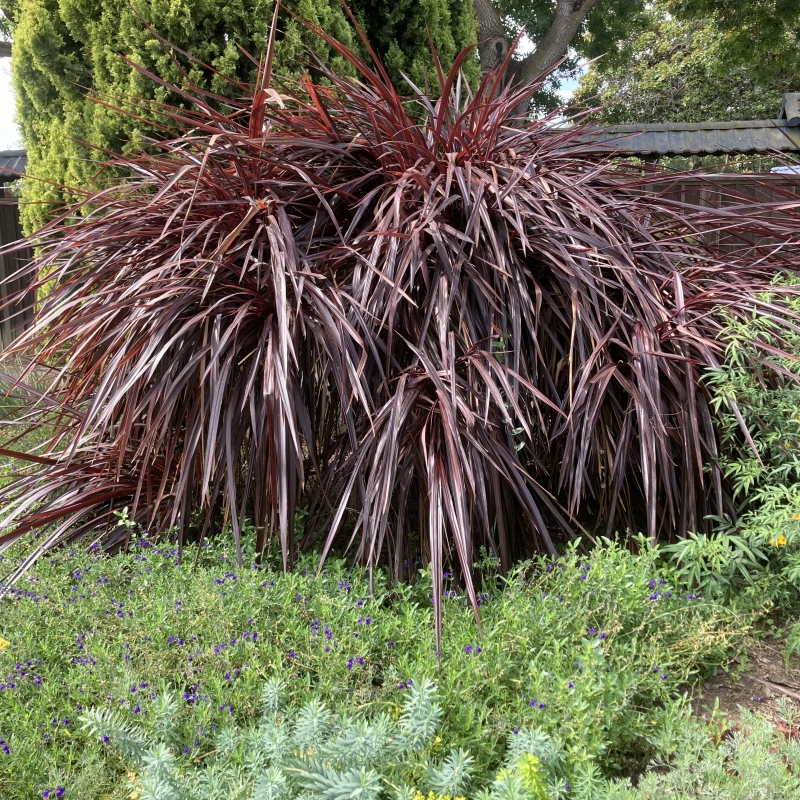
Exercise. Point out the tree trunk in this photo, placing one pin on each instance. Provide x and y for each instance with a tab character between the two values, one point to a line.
493	44
5	49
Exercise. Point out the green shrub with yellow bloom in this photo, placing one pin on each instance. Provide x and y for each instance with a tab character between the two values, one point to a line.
311	753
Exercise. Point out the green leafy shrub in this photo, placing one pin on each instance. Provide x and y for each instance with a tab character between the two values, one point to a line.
763	467
716	564
312	754
753	761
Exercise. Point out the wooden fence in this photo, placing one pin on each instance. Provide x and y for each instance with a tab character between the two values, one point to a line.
17	317
722	190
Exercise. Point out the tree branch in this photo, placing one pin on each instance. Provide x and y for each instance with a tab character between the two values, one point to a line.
494	44
553	47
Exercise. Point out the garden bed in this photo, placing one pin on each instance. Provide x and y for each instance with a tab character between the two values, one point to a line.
590	651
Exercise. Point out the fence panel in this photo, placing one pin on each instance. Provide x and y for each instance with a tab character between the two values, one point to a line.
14	318
732	189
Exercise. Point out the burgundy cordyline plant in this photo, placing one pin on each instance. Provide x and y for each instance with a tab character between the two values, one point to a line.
434	325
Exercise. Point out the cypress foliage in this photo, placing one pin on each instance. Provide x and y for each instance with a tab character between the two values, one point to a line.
67	50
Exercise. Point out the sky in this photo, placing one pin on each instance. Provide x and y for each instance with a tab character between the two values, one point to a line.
9	133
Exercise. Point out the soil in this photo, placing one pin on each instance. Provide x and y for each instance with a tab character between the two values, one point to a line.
756	681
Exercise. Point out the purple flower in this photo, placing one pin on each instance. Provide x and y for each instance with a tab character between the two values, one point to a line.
468	648
571	685
291	654
60	791
592	631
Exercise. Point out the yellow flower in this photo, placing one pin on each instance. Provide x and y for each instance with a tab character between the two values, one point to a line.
779	542
531	774
431	796
4	643
133	784
795	516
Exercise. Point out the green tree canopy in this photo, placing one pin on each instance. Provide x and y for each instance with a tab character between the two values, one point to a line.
763	35
676	67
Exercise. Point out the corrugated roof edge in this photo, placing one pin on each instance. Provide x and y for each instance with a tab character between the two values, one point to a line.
12	164
757	136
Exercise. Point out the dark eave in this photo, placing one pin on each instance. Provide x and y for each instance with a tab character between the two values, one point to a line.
12	164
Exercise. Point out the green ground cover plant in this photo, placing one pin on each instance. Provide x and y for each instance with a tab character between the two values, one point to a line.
590	650
755	760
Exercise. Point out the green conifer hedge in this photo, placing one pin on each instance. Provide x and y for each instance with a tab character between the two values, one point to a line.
67	50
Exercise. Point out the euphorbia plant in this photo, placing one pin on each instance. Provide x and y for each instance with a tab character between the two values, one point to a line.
414	314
